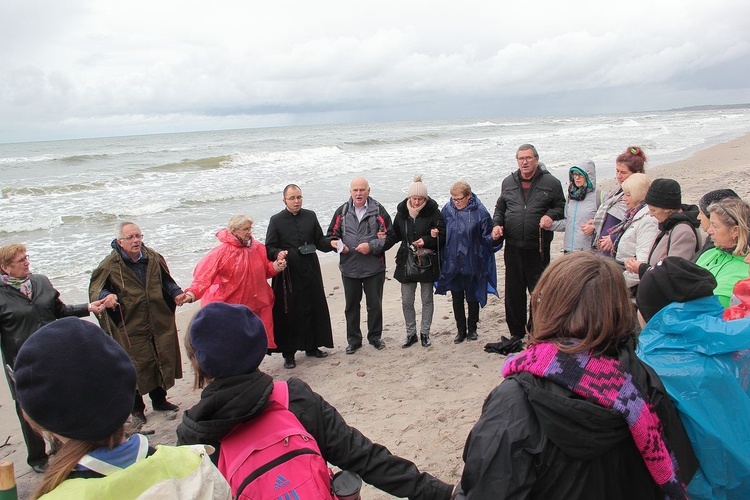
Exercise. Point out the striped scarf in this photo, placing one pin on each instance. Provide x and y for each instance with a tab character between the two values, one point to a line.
605	382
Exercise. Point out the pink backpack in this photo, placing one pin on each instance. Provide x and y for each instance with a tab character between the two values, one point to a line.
272	456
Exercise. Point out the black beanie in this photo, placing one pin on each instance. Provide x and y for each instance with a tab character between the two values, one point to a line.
664	193
713	197
75	380
674	279
228	340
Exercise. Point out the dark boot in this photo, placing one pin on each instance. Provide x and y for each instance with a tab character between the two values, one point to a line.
425	340
410	341
473	320
289	362
460	337
472	334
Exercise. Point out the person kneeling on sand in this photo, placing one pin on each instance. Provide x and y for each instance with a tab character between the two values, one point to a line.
226	344
76	384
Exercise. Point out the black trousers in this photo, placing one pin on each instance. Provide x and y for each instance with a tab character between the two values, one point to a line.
35	446
523	267
373	289
459	312
158	395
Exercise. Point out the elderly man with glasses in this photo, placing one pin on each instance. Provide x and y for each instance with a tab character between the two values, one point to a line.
530	199
141	296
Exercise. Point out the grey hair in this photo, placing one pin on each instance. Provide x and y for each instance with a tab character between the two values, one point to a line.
237	221
526	147
120	225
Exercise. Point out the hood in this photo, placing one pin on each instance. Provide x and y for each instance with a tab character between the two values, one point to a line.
430	207
689	214
225	236
589	170
695	326
224	404
581	429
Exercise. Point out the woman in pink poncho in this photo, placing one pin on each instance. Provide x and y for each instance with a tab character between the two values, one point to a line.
236	272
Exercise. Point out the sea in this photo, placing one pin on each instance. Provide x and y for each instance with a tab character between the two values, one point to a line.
62	199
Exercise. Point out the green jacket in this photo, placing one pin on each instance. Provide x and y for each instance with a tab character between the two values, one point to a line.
181	472
728	269
149	333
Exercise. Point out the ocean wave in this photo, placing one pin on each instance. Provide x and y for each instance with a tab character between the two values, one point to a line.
368	143
83	158
48	190
29	225
199	164
26	159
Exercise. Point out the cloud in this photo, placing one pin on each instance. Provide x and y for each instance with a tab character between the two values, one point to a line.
86	66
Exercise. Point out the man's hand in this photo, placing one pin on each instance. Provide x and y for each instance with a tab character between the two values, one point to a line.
497	232
363	248
110	301
545	222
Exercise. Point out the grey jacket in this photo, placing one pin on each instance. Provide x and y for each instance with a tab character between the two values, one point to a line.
578	212
352	232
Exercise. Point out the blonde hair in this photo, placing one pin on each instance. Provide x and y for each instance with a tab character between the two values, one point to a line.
734	212
237	221
8	253
636	186
461	187
68	455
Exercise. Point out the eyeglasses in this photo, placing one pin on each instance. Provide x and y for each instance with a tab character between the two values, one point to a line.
458	200
132	237
22	260
294	198
522	159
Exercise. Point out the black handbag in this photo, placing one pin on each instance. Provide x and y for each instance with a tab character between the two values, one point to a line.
419	264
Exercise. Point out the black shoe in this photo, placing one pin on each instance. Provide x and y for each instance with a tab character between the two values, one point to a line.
164	406
459	338
351	349
472	335
139	418
39	468
290	363
410	341
378	344
425	340
316	353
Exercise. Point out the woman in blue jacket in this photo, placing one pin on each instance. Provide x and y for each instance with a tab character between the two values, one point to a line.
468	268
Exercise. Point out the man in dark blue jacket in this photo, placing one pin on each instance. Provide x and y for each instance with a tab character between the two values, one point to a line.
530	199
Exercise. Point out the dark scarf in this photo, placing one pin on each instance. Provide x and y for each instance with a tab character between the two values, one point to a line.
605	382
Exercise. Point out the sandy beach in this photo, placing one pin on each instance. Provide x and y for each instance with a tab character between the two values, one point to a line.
419	402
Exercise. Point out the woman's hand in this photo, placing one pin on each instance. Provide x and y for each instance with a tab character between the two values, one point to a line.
632	264
588	228
434	232
606	244
97	306
419	243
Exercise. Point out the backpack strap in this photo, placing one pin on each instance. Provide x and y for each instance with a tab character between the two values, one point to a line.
280	394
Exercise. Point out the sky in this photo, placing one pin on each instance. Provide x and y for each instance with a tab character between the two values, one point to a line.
77	68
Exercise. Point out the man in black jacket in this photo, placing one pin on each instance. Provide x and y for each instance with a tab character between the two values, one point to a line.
530	199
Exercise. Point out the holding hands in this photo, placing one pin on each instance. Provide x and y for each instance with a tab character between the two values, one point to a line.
280	263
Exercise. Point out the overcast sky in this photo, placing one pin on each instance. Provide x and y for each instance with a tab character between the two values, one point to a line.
76	68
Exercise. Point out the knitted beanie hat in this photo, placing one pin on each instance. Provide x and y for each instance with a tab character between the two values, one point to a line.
228	340
714	196
664	193
75	380
417	188
673	279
